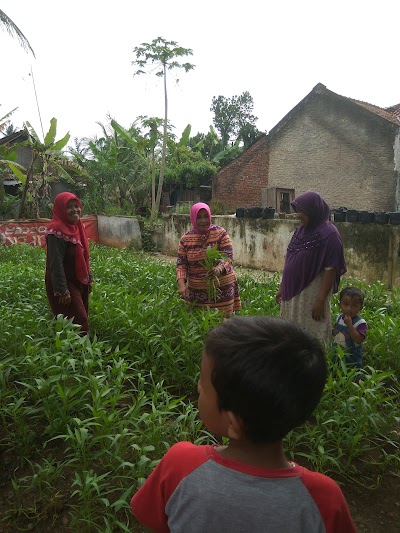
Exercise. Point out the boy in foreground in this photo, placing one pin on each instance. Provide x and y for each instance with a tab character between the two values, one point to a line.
260	378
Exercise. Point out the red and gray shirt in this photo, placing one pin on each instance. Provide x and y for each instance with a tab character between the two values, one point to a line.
195	489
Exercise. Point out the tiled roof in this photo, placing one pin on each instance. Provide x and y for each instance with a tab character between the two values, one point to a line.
391	114
17	136
388	114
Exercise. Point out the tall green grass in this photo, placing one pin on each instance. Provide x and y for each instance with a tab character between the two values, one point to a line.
84	420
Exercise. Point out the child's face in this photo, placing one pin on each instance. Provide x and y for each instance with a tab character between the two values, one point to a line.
210	414
350	306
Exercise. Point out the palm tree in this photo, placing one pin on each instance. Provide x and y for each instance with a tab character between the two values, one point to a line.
14	31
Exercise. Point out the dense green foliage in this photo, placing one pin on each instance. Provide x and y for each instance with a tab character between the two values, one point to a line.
234	119
82	421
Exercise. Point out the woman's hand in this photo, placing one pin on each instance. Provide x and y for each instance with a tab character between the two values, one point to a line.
64	299
278	296
182	288
318	309
215	272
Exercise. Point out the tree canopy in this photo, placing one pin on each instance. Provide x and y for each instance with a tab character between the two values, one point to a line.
234	119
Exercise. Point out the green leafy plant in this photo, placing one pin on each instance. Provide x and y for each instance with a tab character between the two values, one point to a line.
91	416
212	259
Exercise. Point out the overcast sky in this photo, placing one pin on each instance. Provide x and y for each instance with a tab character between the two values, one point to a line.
278	51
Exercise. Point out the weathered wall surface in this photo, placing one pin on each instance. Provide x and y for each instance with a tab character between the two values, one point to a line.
239	184
119	232
338	150
370	249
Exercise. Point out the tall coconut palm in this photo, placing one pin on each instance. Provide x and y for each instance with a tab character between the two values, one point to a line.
7	24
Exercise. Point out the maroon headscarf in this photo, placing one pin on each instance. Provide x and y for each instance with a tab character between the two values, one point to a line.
312	248
75	233
194	211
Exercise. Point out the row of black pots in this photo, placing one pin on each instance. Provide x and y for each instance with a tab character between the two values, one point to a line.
255	212
366	217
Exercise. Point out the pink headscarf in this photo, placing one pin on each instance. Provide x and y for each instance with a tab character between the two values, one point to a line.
194	211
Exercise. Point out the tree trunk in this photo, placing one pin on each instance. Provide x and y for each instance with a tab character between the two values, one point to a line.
156	206
29	177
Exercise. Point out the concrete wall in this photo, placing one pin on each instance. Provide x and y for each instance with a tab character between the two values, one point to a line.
342	151
119	232
370	249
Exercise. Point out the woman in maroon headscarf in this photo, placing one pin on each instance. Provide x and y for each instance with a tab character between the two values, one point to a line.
313	266
193	276
68	278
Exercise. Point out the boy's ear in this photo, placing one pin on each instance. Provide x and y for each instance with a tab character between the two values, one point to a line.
234	425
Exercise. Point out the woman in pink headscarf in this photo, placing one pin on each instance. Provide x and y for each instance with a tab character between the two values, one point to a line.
193	276
68	278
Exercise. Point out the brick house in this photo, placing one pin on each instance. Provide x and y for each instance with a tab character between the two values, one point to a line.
347	150
241	181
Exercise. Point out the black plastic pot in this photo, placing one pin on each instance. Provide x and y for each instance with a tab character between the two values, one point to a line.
240	212
247	212
256	212
366	217
268	212
340	214
381	217
352	215
394	218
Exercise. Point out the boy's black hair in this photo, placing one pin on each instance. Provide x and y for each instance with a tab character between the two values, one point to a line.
268	371
352	292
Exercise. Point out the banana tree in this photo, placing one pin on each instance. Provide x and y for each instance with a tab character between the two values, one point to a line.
47	164
8	160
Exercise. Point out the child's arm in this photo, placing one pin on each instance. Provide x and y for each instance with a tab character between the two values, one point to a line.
357	337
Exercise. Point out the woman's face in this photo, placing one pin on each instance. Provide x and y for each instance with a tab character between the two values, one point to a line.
73	212
203	220
304	219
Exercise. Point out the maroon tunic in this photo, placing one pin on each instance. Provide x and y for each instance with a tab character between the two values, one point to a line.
60	277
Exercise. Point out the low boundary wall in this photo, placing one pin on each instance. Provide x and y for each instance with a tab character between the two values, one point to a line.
371	250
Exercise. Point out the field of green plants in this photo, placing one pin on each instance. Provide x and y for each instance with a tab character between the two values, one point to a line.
83	421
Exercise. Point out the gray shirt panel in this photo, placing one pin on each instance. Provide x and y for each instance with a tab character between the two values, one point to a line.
216	499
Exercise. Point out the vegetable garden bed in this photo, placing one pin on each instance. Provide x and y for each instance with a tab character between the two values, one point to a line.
83	421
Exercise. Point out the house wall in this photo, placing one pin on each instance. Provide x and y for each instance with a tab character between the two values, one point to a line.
370	249
239	184
24	156
396	149
338	150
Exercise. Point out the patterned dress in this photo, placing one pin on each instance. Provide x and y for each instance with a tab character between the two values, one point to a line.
190	266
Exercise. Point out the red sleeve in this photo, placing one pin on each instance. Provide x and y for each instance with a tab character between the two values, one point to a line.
330	502
148	504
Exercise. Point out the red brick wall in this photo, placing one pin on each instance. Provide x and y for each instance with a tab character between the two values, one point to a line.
239	184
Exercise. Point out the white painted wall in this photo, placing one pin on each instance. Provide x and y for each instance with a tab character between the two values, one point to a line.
119	232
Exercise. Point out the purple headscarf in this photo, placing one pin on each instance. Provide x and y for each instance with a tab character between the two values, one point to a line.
194	211
312	248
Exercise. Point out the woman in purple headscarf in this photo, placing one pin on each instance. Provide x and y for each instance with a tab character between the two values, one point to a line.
313	266
191	270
